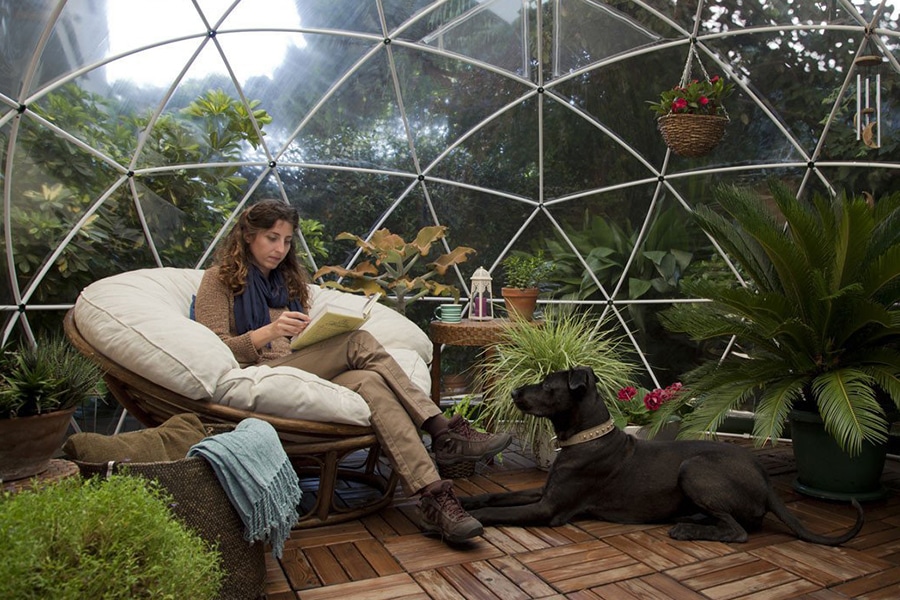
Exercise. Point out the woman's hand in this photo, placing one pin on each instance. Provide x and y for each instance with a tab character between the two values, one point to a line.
288	324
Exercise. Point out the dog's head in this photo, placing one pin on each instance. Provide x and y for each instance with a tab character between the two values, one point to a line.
559	394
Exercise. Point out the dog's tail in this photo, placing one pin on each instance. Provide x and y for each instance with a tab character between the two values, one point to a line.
787	517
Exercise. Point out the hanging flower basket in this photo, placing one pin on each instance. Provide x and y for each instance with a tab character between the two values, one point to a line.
692	135
692	117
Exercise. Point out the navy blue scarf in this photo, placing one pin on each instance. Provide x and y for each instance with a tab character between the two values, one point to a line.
251	309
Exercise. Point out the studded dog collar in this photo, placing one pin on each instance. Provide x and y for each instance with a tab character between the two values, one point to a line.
588	434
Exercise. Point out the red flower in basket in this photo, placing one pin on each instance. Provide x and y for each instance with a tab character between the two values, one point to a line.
696	98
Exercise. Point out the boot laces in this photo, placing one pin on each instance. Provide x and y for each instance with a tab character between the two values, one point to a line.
462	429
449	505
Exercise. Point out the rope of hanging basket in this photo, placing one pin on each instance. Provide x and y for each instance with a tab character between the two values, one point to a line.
692	135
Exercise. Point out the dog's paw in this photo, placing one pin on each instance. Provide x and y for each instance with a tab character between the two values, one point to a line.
691	531
683	531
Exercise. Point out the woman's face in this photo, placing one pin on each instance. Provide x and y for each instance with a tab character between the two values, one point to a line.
269	247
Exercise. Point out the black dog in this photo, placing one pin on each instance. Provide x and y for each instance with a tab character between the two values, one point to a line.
715	491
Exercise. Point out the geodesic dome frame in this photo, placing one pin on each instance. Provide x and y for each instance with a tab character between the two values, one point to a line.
131	136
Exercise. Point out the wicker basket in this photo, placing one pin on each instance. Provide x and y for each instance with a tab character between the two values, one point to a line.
692	135
201	504
460	470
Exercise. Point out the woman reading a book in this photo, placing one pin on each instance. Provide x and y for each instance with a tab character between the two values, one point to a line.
255	299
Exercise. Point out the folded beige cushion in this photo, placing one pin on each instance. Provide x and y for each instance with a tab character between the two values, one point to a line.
169	441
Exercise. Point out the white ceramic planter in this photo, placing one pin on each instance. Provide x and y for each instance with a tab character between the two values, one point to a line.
668	432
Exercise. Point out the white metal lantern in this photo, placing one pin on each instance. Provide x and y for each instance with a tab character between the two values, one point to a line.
482	307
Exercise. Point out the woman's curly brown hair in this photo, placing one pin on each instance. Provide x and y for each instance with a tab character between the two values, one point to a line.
234	257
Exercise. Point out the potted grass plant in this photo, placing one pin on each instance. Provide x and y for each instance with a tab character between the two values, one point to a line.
528	352
41	385
817	329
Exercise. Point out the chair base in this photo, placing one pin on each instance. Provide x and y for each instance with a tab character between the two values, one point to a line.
315	449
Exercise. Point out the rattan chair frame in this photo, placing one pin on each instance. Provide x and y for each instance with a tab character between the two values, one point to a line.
316	450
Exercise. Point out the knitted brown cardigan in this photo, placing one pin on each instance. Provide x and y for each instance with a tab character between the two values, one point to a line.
214	307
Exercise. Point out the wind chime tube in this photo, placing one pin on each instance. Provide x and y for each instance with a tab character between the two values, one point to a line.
858	107
878	109
868	118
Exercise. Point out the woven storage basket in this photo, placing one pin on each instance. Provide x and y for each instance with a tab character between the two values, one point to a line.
692	135
460	470
201	504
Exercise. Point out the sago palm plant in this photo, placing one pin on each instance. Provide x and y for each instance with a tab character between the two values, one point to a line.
818	322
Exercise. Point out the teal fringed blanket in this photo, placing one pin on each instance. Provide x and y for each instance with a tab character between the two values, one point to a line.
258	478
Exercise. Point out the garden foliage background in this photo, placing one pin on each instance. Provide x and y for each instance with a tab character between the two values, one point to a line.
130	136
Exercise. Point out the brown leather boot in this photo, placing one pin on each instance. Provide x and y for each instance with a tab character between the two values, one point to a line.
462	442
441	513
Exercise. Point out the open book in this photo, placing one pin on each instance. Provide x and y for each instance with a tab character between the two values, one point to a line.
330	319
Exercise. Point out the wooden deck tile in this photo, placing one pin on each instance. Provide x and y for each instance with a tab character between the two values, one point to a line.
525	579
752	578
651	586
495	581
876	583
579	566
298	572
418	552
327	568
351	559
332	534
526	537
392	587
379	558
468	584
824	565
434	584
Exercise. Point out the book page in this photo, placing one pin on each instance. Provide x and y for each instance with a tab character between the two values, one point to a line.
331	319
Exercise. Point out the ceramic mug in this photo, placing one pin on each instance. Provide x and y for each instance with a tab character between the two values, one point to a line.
449	313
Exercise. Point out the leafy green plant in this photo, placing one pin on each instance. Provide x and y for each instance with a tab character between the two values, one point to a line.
528	352
699	97
57	183
395	269
113	538
523	270
818	326
49	376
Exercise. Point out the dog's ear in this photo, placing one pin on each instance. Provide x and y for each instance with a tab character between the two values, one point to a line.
581	378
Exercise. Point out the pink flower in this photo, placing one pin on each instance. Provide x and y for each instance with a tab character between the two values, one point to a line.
627	393
714	79
653	400
679	104
704	100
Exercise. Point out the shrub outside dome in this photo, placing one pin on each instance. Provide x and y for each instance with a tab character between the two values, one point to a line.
131	133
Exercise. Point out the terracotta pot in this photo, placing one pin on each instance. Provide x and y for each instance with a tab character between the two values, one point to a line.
520	302
455	384
28	443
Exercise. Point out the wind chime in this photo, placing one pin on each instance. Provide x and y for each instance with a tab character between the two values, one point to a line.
868	108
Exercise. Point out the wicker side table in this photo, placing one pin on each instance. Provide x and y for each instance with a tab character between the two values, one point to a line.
58	469
482	334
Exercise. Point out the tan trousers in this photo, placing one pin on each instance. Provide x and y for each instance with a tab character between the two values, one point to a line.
357	361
